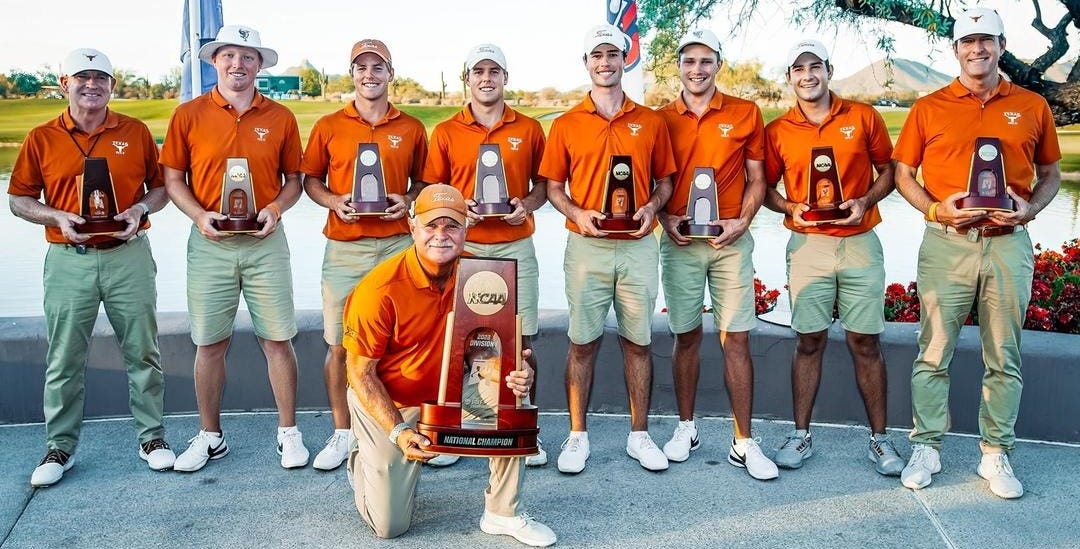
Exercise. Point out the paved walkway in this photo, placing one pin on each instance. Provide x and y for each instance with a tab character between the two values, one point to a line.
110	499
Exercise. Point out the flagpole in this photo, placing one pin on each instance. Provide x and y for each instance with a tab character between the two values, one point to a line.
195	42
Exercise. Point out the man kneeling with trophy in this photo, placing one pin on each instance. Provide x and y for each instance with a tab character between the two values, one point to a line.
394	362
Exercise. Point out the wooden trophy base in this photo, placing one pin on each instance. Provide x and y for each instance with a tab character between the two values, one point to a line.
95	227
618	225
825	214
707	232
361	209
493	209
442	425
238	226
991	203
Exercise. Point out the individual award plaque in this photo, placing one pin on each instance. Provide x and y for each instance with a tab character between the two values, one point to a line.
369	184
491	195
619	201
701	207
237	199
476	413
825	193
97	200
986	183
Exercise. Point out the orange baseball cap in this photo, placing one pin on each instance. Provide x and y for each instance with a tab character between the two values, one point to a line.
370	45
437	201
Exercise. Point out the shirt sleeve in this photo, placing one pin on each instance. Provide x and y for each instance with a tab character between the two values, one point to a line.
175	152
555	165
437	165
316	161
155	176
774	163
26	178
909	146
367	323
1048	149
663	158
292	152
538	144
755	145
420	155
880	145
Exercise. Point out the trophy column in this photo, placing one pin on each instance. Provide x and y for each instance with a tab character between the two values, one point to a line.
701	207
825	193
620	204
491	194
986	179
237	199
369	183
97	200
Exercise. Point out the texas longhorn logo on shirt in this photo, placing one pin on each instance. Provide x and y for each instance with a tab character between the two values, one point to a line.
261	132
1013	116
848	131
394	140
120	146
514	142
634	128
725	128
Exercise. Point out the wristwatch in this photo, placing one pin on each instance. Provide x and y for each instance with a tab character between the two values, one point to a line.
396	432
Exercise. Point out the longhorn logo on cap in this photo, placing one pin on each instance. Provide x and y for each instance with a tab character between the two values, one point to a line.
89	57
975	18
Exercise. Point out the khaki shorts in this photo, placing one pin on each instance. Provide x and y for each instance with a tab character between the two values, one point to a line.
344	264
848	270
729	273
528	275
602	271
216	272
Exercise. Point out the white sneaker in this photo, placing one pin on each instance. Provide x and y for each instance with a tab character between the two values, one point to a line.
887	460
443	460
336	451
682	442
540	459
641	447
924	462
201	448
746	453
51	468
522	527
290	446
996	469
575	452
157	455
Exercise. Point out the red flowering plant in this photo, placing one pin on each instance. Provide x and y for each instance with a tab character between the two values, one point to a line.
764	299
1055	294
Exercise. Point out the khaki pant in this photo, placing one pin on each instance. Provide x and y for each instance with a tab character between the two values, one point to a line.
994	273
384	482
75	285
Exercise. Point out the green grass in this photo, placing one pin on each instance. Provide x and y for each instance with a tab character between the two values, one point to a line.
18	116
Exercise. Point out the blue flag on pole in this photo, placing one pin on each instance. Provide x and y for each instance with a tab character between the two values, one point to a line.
205	26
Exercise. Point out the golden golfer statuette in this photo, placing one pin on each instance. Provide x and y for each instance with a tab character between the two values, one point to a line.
620	204
701	207
986	182
491	194
97	200
369	184
477	414
237	199
825	194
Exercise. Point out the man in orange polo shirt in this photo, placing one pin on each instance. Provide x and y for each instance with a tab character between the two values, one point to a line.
83	271
974	256
725	134
455	145
832	262
355	244
234	120
394	321
602	268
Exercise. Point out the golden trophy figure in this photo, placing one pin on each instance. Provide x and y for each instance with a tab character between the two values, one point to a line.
620	204
237	199
825	192
97	200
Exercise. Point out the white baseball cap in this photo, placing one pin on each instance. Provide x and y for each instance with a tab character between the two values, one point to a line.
978	21
86	59
238	35
481	52
807	45
605	34
705	37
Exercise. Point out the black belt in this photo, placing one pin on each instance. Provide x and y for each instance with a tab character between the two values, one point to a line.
99	246
985	231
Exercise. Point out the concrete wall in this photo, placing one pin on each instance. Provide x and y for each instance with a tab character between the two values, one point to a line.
1049	409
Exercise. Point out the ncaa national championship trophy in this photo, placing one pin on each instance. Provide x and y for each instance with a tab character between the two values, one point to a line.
825	191
491	195
97	199
369	184
237	199
986	180
701	207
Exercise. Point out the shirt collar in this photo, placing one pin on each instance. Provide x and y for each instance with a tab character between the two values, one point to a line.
836	105
465	116
587	105
1003	88
111	121
417	275
391	113
715	103
220	100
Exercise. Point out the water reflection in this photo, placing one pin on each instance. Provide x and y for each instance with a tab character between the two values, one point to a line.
900	233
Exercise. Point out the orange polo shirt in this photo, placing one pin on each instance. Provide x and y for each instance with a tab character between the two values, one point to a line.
941	129
859	139
396	316
331	157
455	144
729	133
49	162
206	131
581	143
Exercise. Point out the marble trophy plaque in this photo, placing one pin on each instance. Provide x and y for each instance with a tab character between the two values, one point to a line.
825	192
491	194
97	200
701	207
620	204
476	413
986	182
237	199
369	183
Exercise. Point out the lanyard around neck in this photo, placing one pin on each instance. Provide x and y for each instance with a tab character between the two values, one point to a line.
71	134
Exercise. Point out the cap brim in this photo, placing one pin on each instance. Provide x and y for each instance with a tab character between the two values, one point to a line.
435	213
206	53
